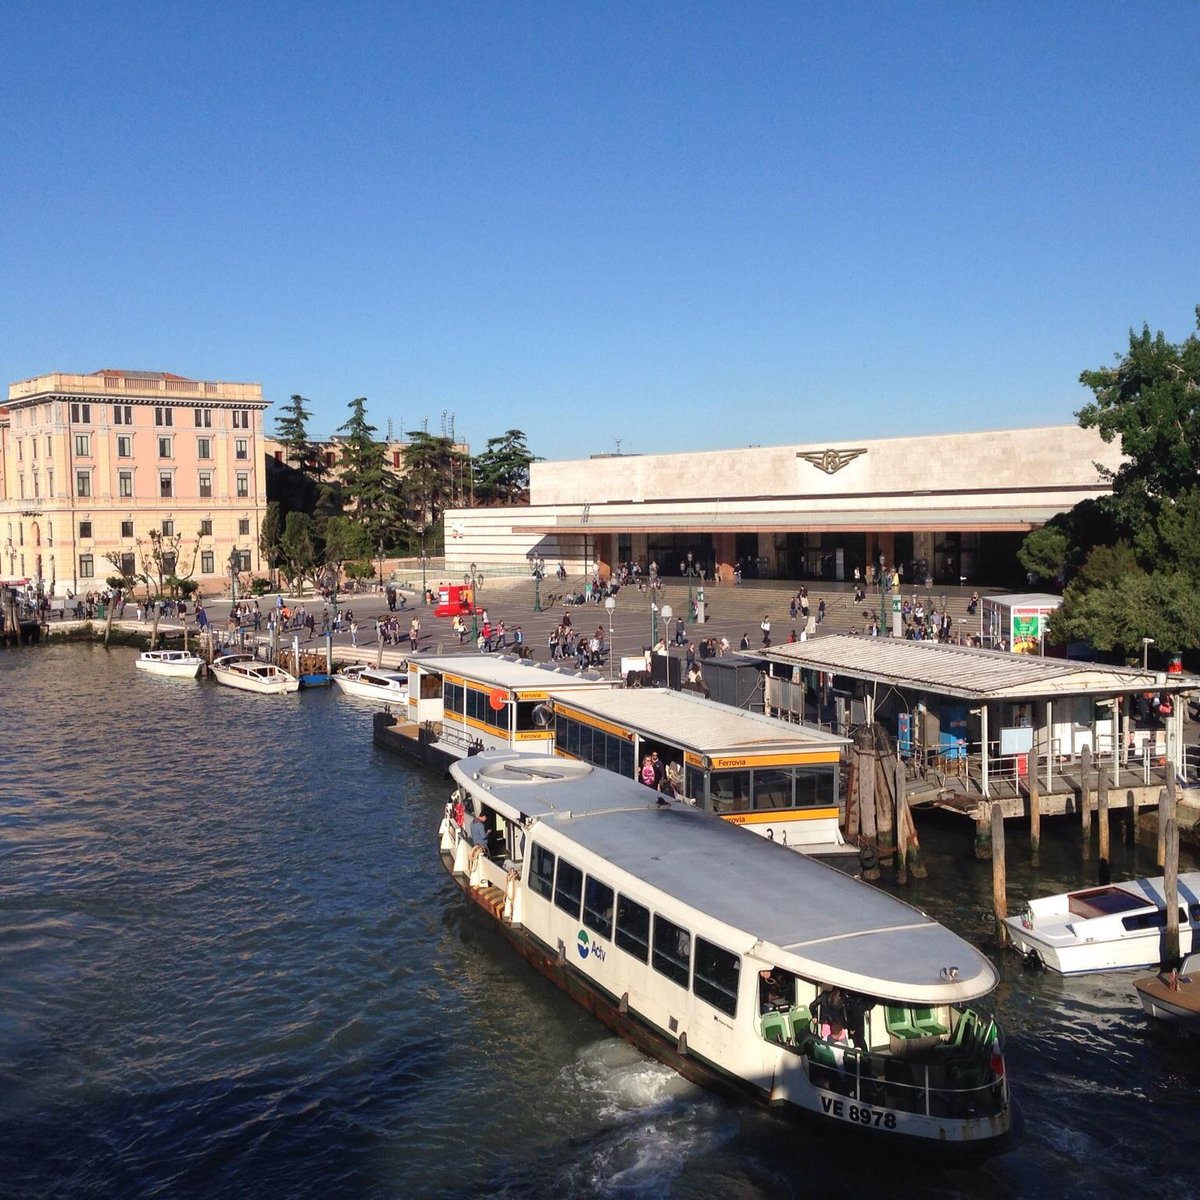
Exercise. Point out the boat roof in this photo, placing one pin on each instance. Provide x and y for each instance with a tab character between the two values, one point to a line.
704	725
968	671
791	910
507	671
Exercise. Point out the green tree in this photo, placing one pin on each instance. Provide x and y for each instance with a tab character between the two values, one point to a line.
502	470
297	547
344	540
166	561
369	486
270	534
1150	400
291	428
431	464
1043	553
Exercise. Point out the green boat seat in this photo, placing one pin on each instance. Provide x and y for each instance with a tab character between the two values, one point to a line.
899	1022
775	1027
927	1024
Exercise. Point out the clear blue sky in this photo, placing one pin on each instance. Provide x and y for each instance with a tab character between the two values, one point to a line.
683	226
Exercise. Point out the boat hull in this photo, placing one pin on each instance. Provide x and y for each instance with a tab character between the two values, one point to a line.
350	686
247	683
178	669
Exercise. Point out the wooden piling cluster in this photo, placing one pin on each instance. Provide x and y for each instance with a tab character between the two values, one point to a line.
877	811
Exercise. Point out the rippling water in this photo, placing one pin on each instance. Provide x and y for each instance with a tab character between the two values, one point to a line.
231	964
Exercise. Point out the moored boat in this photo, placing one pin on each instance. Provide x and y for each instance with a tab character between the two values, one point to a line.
746	967
177	663
1173	995
372	683
1111	927
244	671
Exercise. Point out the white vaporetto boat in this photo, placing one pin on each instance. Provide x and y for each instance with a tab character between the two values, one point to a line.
170	662
1106	928
369	683
741	964
244	671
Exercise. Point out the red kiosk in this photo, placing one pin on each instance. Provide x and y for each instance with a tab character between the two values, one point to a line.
455	600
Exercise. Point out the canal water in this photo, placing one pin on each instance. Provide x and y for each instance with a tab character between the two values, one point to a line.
231	964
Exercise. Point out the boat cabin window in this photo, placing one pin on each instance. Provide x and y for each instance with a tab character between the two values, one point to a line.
431	688
568	889
633	928
776	990
541	871
765	789
598	907
479	708
452	697
1103	902
672	951
715	976
596	746
1154	920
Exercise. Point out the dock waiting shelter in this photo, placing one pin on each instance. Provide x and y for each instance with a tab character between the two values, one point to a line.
988	715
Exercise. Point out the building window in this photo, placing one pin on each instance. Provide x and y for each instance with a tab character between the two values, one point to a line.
243	484
49	483
206	527
83	483
168	528
204	447
169	563
243	560
205	484
33	448
241	418
206	562
21	483
124	445
279	456
127	567
329	458
244	527
81	414
85	529
20	450
127	529
164	416
125	484
164	447
165	490
122	414
49	446
241	448
204	418
83	448
87	569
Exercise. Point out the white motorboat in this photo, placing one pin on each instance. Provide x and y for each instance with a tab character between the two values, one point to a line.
371	683
744	966
1173	995
170	662
1112	927
244	671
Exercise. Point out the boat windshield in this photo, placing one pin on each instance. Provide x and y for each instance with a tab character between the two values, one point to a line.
1104	902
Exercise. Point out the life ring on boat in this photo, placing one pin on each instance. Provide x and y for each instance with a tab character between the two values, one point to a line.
473	857
868	857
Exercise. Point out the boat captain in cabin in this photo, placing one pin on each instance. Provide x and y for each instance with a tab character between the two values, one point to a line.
479	831
776	990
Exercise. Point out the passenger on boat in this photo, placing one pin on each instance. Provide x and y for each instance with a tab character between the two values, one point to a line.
829	1015
479	832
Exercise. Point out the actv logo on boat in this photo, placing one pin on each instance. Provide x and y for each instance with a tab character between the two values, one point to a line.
584	945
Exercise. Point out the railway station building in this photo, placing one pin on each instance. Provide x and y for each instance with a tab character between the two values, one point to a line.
951	507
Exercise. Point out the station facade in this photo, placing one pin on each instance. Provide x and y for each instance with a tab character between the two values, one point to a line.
950	507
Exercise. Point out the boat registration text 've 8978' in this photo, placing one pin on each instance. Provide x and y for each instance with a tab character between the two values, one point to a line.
744	966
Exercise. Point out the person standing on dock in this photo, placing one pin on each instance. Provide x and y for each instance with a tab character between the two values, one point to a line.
414	634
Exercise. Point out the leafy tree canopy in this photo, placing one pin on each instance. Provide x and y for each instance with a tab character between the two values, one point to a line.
1044	553
291	428
502	470
368	484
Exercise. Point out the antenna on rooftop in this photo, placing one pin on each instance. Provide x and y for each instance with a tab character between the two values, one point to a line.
389	432
618	445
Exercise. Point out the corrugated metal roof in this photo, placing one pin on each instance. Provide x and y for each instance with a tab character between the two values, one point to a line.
506	672
700	724
966	671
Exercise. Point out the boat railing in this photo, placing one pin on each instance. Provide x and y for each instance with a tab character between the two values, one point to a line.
942	1086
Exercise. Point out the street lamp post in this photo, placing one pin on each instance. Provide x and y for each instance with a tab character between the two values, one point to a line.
537	587
691	574
1147	642
235	561
475	581
424	562
667	613
610	602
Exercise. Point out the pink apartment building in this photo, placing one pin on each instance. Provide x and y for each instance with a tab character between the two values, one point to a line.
90	464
